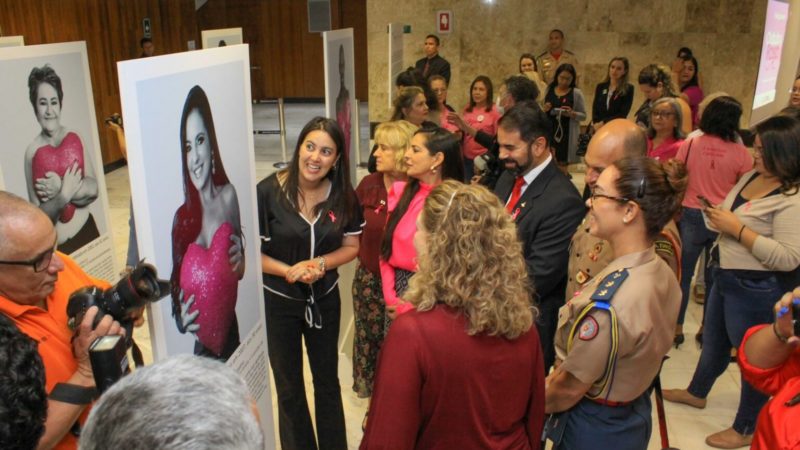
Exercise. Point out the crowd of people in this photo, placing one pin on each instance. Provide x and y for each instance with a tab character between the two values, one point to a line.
495	305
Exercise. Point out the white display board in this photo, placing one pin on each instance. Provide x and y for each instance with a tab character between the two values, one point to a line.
12	41
340	89
395	57
222	37
780	54
51	150
189	133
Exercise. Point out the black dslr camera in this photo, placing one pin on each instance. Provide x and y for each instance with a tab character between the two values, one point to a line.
135	290
108	354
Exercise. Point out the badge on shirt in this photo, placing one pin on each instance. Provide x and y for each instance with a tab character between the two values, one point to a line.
589	329
581	277
480	117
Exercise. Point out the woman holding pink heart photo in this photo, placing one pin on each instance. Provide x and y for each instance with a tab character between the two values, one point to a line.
207	246
60	175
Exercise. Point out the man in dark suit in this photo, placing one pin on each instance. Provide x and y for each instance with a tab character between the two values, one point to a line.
432	63
546	207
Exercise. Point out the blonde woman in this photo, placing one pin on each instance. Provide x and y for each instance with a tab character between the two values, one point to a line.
392	140
433	389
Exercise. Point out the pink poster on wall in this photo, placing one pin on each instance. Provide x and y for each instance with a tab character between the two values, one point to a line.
771	49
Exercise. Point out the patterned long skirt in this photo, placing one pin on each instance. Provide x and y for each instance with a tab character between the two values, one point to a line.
369	312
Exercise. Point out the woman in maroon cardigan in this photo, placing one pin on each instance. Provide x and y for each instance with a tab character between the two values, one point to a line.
464	369
392	139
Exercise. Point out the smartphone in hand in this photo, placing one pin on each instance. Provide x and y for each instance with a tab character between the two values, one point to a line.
705	201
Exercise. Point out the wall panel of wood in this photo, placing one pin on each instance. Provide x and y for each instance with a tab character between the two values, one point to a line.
286	60
111	29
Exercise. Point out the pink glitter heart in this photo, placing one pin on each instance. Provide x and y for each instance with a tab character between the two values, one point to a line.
58	159
207	274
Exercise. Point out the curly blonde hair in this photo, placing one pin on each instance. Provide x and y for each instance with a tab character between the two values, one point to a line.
472	261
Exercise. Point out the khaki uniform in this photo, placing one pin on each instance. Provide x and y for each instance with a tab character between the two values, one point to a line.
588	255
548	64
646	305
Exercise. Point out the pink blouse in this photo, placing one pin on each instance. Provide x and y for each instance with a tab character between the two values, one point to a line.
404	255
481	120
667	150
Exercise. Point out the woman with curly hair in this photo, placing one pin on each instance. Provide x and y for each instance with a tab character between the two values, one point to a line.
473	311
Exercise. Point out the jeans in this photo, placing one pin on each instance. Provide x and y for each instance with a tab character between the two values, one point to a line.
286	329
695	238
734	305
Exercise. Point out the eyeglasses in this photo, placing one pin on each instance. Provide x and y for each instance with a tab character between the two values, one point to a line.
595	195
662	114
39	263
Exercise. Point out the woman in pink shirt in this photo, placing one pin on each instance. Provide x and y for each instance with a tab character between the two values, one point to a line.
664	134
481	115
715	160
434	156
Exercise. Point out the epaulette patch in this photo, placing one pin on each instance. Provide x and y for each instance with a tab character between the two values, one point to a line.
608	287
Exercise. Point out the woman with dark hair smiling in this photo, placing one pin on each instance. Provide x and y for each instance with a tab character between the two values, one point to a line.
758	246
309	221
612	335
207	247
614	96
434	156
715	161
480	114
565	104
529	68
465	369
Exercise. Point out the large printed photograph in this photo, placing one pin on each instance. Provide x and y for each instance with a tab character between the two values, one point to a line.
189	134
51	150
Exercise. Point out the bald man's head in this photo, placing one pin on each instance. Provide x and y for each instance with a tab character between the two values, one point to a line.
16	214
617	139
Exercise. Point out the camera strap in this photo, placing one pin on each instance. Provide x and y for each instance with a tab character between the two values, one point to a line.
136	352
73	394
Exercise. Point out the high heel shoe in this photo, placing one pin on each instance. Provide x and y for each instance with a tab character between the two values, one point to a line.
679	339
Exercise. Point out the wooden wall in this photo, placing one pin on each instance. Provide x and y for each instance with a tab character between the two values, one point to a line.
111	29
286	60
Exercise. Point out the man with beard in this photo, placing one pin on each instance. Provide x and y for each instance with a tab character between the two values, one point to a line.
546	207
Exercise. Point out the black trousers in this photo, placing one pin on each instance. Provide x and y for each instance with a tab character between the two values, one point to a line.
546	325
286	329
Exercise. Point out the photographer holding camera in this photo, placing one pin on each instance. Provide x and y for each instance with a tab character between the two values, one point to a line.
769	358
35	285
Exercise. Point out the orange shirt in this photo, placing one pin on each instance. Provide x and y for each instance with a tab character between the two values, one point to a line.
49	328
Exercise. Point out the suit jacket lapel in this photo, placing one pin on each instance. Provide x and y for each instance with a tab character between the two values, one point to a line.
536	189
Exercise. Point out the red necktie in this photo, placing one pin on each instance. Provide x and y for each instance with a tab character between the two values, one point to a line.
515	194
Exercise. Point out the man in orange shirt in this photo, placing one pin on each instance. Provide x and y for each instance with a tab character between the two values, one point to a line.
35	284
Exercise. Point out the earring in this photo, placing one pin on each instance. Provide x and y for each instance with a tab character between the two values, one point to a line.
433	169
625	221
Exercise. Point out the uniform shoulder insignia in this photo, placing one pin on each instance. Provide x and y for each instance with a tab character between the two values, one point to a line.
664	247
588	329
609	286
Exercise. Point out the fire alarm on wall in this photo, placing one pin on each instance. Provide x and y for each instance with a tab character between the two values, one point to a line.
444	21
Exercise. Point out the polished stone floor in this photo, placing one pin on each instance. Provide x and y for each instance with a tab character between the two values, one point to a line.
687	426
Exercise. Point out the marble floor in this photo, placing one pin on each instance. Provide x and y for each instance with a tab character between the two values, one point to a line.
687	427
